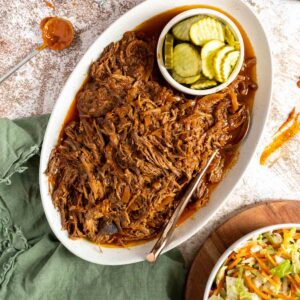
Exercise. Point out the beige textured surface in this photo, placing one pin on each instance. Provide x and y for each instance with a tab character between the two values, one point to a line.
34	89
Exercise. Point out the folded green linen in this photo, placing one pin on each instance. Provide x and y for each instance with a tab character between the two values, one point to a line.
33	264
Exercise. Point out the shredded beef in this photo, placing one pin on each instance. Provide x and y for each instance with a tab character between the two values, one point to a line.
119	171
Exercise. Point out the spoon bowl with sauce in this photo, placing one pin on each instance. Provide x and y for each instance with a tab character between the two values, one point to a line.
57	34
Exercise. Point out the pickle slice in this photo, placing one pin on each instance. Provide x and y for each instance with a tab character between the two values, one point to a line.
205	30
207	54
181	30
229	36
186	60
185	80
218	61
229	63
230	39
202	84
168	51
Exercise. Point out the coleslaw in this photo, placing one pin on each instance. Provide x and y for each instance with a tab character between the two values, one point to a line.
265	267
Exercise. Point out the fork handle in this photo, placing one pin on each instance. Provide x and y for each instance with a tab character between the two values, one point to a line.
170	226
19	65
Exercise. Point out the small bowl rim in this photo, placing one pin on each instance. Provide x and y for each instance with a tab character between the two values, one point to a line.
180	17
237	245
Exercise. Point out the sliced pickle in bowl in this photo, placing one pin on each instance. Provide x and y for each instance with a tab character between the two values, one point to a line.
229	63
168	51
205	30
229	36
218	61
187	60
207	54
202	84
185	80
201	51
181	30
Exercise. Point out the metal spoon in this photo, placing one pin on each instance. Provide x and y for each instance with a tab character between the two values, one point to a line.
19	65
170	226
53	38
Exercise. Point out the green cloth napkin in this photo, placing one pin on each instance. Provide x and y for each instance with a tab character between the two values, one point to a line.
33	264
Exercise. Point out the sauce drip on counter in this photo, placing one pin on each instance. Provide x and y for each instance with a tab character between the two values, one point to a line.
298	83
57	33
49	4
285	132
290	118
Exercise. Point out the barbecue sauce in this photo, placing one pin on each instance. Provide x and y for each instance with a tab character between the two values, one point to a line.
49	4
286	131
153	27
57	33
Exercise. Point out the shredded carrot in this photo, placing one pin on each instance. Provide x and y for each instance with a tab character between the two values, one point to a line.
230	257
296	236
297	278
285	242
271	259
277	279
282	252
249	268
262	258
281	296
261	255
220	285
269	278
293	282
254	289
235	274
234	263
262	264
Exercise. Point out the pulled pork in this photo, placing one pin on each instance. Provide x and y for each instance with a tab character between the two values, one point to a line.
119	171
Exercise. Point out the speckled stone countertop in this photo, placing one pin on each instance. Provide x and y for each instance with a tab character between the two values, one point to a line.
35	88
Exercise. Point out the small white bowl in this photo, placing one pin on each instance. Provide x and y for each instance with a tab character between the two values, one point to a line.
190	13
238	244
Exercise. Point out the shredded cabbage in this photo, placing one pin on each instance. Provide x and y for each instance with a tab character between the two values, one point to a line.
214	297
288	238
221	274
274	238
231	286
243	292
296	261
283	269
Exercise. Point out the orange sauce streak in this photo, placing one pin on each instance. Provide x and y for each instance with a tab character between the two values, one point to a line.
298	83
49	4
290	118
287	132
57	33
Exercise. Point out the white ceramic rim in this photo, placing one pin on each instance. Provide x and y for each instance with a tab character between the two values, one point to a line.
120	256
180	17
238	244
